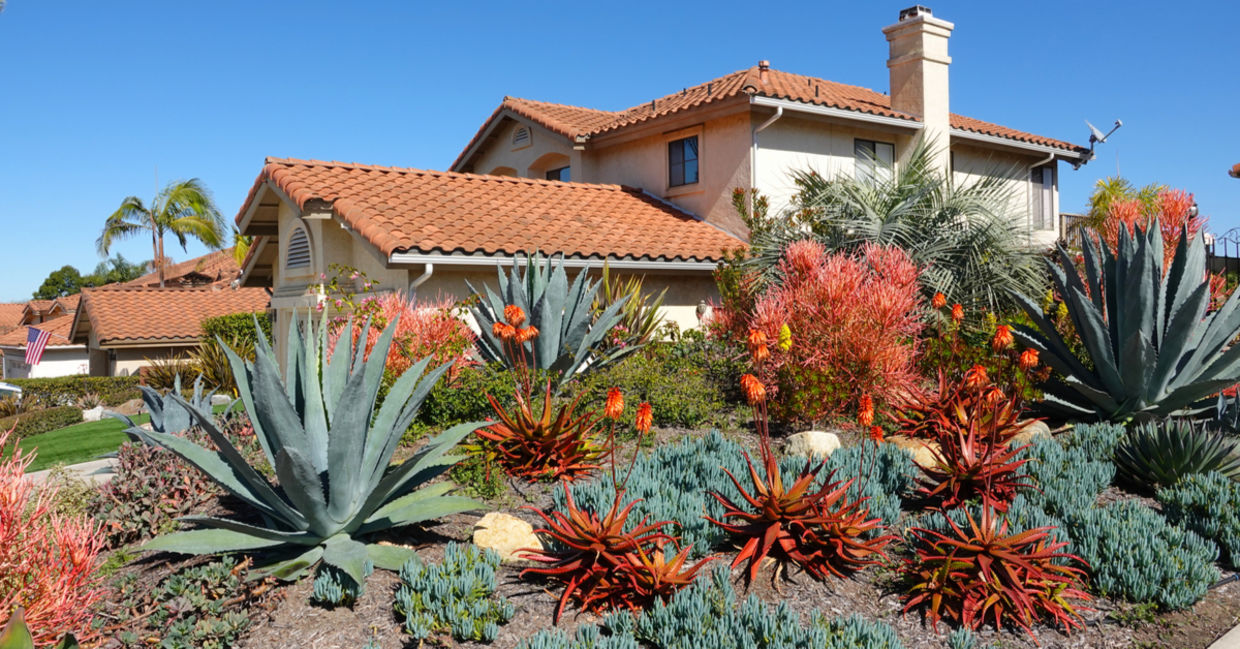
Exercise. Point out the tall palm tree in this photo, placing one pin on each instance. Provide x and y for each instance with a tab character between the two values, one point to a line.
970	239
184	208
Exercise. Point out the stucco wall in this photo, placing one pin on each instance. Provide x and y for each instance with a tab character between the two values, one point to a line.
531	160
973	163
56	361
128	361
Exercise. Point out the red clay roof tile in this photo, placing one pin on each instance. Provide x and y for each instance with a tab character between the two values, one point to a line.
411	210
11	315
60	327
215	266
120	313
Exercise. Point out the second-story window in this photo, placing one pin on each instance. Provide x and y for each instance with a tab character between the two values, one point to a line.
561	173
875	160
682	162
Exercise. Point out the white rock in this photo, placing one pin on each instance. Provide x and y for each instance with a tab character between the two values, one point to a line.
925	452
506	534
1032	430
221	399
92	414
812	443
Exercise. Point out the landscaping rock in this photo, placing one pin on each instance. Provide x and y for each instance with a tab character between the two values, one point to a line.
506	534
221	399
92	414
131	408
1032	430
812	443
924	451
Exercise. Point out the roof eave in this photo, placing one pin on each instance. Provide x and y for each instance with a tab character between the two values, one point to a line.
841	113
488	129
1072	155
488	260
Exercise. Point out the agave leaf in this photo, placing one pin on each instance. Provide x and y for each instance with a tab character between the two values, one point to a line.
273	409
304	488
418	510
347	555
336	370
294	568
209	541
396	415
296	538
15	634
389	557
423	466
243	377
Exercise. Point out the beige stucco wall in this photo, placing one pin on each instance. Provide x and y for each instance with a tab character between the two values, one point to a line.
56	361
545	150
129	360
973	163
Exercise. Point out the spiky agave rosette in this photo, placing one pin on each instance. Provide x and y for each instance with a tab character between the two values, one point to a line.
330	450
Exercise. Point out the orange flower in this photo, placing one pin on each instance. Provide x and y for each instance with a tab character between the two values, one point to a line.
1003	338
876	434
757	337
938	301
527	334
514	315
615	404
865	411
755	392
993	396
957	313
757	345
1028	359
503	331
976	377
645	417
761	353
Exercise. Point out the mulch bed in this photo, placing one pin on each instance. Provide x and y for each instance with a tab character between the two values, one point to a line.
286	618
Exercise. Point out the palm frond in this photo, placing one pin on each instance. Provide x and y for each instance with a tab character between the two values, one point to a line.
129	219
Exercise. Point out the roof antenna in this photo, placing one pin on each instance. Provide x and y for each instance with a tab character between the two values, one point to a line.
1097	137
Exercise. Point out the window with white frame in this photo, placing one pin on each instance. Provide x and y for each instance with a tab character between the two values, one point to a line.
1042	186
682	161
875	160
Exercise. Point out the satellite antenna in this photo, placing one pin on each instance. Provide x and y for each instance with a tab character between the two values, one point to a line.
1097	137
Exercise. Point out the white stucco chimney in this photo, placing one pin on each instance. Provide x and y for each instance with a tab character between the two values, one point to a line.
918	64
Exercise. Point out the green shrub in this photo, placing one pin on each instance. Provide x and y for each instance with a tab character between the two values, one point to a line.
677	385
455	597
35	422
1134	553
464	398
1208	504
707	614
67	390
236	326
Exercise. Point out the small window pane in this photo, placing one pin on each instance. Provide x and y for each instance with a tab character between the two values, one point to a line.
874	160
561	173
682	161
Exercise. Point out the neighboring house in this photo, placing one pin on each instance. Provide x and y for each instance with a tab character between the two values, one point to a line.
217	267
749	129
11	314
430	231
61	357
123	327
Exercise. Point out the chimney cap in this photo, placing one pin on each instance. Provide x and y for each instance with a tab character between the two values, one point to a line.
764	65
915	11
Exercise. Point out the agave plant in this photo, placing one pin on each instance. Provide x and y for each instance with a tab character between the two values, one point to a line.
569	333
168	414
1153	348
331	451
16	635
639	319
1158	453
980	571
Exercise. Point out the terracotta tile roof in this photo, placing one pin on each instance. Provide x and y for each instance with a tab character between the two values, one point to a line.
69	302
60	327
120	314
41	306
217	266
410	210
11	315
1235	171
573	121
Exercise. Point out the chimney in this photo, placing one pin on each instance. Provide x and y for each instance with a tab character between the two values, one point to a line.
917	63
763	67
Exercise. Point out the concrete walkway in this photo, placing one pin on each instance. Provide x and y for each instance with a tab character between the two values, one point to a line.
95	472
1231	640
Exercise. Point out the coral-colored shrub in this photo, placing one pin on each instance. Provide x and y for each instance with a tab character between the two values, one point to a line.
853	321
47	561
429	328
1171	210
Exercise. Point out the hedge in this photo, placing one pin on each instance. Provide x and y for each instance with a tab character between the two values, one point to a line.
35	422
236	326
67	390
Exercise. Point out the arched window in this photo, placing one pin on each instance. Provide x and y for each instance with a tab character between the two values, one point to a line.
297	255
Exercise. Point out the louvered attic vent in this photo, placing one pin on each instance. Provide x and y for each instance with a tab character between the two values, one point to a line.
298	250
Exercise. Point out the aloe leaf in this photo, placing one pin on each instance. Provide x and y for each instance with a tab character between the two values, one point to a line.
209	541
16	635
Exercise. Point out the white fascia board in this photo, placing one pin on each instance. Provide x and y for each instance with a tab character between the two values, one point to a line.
488	261
853	115
995	140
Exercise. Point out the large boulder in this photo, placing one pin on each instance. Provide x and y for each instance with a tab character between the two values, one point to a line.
925	452
506	534
812	443
1031	430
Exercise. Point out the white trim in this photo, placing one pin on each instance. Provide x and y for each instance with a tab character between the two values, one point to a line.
488	260
841	113
1017	144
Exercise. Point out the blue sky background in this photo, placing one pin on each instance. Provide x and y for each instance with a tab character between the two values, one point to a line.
95	97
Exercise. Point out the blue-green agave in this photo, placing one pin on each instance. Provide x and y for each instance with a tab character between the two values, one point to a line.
568	332
167	414
1154	348
330	450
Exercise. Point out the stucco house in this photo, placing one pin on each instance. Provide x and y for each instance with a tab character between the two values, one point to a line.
61	357
648	188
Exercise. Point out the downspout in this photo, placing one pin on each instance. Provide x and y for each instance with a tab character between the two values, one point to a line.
753	152
427	271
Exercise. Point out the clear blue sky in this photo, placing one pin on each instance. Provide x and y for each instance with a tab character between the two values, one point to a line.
97	96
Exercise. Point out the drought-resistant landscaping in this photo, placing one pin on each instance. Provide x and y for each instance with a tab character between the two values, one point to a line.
845	456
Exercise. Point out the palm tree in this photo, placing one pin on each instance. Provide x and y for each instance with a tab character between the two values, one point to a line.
184	208
971	240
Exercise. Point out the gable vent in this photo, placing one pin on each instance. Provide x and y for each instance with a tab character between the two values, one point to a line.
298	250
521	136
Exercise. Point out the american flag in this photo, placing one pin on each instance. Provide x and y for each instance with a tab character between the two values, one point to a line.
36	342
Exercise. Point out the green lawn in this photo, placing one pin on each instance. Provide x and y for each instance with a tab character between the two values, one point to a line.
77	443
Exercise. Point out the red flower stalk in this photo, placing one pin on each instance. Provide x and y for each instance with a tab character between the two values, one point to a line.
865	411
976	377
1003	338
1028	359
957	313
515	315
876	434
615	404
938	301
761	353
503	331
645	417
754	391
526	334
978	572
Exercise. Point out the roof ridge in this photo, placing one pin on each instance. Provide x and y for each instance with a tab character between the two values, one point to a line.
435	173
508	98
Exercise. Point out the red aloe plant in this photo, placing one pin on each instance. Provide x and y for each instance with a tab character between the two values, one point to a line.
817	528
969	465
532	446
47	560
954	408
981	572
